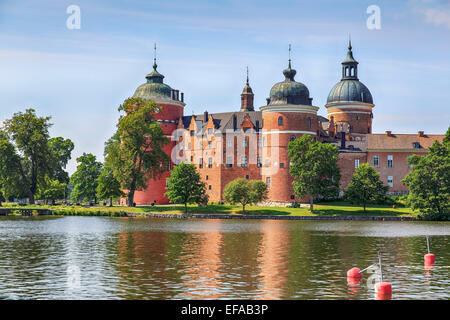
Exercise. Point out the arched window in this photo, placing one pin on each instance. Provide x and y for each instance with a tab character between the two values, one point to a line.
280	121
292	138
309	122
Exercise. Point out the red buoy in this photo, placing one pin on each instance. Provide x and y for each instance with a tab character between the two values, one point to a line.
429	259
383	291
353	273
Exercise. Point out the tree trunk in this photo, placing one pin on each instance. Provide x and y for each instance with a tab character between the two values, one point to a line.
185	208
364	208
130	198
110	202
31	197
243	209
311	203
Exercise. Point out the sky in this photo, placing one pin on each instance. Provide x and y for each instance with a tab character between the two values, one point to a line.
81	76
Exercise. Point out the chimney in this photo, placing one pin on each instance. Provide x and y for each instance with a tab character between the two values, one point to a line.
205	117
388	133
420	133
343	140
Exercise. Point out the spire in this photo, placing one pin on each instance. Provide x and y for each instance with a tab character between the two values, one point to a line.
350	65
289	73
247	97
154	59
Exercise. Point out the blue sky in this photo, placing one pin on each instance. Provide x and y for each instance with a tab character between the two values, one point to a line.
80	77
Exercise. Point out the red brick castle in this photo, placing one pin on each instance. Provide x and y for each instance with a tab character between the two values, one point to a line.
253	144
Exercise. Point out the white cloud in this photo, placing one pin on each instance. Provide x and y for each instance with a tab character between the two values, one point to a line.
438	17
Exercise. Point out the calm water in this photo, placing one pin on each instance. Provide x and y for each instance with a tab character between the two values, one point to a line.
215	259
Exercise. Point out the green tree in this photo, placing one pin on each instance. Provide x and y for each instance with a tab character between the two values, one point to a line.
29	134
314	168
366	186
52	190
185	186
135	152
84	180
108	187
429	181
245	192
60	151
2	197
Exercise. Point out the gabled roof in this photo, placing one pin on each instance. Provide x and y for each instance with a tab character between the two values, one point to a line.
402	141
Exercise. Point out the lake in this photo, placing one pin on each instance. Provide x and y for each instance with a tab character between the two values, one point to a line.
142	258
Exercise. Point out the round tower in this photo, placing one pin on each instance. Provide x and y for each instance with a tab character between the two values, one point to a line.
350	102
172	105
289	114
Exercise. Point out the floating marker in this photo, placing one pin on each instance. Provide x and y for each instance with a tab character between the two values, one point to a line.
354	273
383	290
429	258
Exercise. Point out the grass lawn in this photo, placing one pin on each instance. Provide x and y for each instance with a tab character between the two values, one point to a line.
322	209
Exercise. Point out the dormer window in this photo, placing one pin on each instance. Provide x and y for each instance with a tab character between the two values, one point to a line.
416	145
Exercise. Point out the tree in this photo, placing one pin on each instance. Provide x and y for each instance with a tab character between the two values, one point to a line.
245	192
314	168
429	181
107	186
84	180
185	186
2	197
366	186
52	190
60	152
135	152
29	134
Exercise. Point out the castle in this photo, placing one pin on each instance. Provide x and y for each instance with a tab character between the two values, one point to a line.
253	144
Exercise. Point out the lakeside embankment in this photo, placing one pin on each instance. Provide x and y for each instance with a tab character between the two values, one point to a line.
323	211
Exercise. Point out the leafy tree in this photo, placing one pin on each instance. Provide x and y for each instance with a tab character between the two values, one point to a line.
245	192
429	181
108	187
60	151
314	168
185	186
53	190
84	180
135	152
29	135
2	197
366	186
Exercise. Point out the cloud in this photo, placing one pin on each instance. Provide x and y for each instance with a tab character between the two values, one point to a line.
438	17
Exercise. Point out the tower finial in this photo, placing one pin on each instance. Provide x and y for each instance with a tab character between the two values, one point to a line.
154	58
349	41
289	56
247	75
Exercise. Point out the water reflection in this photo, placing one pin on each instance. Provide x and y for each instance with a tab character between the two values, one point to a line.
217	259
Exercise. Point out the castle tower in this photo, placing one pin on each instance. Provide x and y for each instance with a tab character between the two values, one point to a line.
289	114
349	101
172	104
247	97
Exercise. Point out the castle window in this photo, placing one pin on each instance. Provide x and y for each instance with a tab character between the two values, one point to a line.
416	145
267	162
247	177
210	131
390	161
356	163
268	181
390	181
207	177
234	122
210	162
292	197
209	187
280	121
200	165
257	126
229	143
309	122
258	162
209	144
376	160
244	143
229	162
244	162
246	129
192	133
292	138
281	165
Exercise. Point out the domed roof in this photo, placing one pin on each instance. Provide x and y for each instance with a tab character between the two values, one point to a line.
289	91
350	90
154	88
